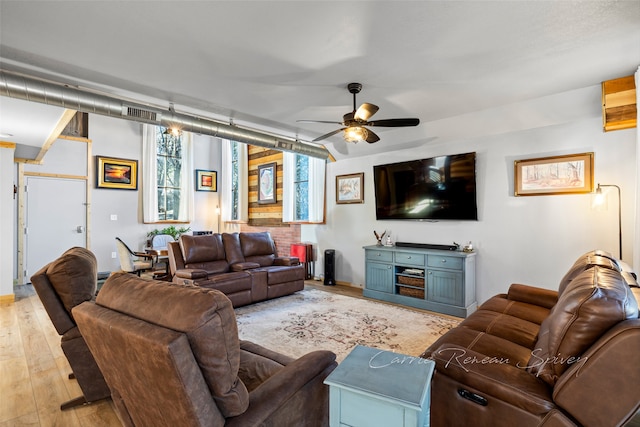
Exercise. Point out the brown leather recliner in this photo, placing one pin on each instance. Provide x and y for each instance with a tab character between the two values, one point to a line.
61	285
537	357
171	355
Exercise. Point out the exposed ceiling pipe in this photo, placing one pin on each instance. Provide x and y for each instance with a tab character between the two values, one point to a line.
31	89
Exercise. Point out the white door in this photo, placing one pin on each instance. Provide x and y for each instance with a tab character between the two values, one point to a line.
56	219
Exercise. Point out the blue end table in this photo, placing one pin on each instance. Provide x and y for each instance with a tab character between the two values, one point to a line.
373	387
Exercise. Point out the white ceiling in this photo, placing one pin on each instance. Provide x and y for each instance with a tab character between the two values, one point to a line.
267	64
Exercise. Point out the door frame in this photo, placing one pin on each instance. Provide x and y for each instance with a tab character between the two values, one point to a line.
20	232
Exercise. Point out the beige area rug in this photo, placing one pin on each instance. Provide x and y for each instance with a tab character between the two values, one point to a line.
315	320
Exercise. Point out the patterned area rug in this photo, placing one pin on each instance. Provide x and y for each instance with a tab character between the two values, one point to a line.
315	320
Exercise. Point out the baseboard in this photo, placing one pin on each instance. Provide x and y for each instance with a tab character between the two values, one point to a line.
7	299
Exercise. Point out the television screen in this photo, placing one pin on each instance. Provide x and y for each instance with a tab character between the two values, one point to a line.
429	189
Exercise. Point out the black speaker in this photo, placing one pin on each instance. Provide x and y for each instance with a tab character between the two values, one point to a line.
329	267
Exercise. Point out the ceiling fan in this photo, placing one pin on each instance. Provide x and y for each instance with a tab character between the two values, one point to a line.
355	121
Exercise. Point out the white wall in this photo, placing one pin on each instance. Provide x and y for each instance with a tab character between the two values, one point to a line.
518	239
123	139
7	254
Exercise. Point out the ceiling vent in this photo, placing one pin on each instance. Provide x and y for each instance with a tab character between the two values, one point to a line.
139	114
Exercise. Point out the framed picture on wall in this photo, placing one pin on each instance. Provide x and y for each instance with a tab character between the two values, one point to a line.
267	183
206	180
350	188
570	174
121	174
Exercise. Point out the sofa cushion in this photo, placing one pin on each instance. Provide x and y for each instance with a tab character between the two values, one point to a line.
258	247
201	249
592	302
74	276
205	316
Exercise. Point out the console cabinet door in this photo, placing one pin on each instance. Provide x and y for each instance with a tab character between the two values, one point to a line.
379	277
445	287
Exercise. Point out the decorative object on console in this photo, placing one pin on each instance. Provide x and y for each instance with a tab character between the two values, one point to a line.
121	174
349	188
570	174
206	180
600	200
468	247
267	183
379	237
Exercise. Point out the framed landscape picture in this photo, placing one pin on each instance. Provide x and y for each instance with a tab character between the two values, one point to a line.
350	188
570	174
267	183
121	174
206	180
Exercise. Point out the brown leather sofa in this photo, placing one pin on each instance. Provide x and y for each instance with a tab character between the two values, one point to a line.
171	356
61	285
243	266
536	357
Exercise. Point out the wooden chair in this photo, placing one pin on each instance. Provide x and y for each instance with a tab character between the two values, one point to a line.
133	262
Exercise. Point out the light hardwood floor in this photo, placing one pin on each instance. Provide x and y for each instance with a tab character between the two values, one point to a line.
34	373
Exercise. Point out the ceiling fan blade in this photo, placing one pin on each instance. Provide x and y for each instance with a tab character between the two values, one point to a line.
394	123
333	122
365	111
327	135
372	137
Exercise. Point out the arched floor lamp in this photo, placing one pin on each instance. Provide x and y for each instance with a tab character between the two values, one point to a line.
600	196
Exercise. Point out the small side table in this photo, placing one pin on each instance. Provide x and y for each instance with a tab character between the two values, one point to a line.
304	252
373	387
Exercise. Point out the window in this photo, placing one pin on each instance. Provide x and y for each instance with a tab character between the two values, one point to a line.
303	188
235	201
169	165
167	175
235	181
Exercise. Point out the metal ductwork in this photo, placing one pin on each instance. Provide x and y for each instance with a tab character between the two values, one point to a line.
36	90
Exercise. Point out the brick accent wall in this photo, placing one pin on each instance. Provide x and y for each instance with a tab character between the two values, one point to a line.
284	237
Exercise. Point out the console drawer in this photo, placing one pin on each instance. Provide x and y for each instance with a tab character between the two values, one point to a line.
450	262
383	256
409	258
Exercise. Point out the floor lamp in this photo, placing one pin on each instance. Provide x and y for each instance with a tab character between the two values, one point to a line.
600	195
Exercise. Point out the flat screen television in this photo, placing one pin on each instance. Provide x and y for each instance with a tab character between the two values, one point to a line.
438	188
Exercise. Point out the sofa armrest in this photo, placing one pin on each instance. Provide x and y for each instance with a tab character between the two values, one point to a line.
492	377
265	352
292	260
533	295
602	388
191	273
271	395
242	266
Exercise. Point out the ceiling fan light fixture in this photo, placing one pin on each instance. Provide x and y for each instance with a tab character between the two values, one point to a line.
355	134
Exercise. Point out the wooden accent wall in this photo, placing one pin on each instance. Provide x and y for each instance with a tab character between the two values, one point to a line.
619	109
264	215
268	217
